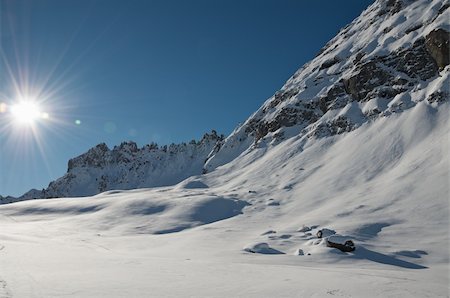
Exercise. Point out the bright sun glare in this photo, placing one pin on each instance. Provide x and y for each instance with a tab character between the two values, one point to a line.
27	112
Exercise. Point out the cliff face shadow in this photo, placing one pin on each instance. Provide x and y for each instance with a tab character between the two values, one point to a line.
364	253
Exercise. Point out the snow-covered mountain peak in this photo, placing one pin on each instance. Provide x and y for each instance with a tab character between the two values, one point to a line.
394	55
126	166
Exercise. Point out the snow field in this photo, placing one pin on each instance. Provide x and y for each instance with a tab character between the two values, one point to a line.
141	243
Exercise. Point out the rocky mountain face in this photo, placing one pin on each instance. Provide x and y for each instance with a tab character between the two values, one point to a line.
29	195
393	56
7	199
127	167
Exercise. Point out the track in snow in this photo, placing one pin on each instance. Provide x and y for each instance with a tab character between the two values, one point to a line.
4	293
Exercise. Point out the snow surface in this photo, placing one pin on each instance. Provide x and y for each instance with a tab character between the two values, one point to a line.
248	228
385	186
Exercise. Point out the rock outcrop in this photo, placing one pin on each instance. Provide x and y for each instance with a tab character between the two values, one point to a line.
437	43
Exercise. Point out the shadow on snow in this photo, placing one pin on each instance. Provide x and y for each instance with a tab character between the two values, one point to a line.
364	253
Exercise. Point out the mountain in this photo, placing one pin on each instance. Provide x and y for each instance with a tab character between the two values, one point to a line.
354	145
386	61
7	199
127	167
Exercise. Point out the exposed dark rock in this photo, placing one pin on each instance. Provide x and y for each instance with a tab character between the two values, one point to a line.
337	126
252	125
358	57
281	96
368	76
443	8
334	98
305	113
127	146
154	146
385	92
213	136
330	62
414	28
94	157
392	7
287	117
416	62
387	29
373	79
340	125
437	44
348	246
438	96
372	113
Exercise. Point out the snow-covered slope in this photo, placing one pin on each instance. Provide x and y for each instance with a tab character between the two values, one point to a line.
393	56
384	185
386	61
357	149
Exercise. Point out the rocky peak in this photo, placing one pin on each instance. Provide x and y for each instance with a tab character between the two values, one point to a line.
130	147
92	158
381	63
212	137
127	166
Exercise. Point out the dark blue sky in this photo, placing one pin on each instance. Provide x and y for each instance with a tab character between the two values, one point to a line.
164	71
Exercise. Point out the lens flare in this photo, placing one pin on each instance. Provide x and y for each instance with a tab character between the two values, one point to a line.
3	107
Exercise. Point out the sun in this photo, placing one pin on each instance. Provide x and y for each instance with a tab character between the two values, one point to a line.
27	112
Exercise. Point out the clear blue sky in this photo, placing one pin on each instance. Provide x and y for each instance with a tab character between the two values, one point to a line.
143	70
